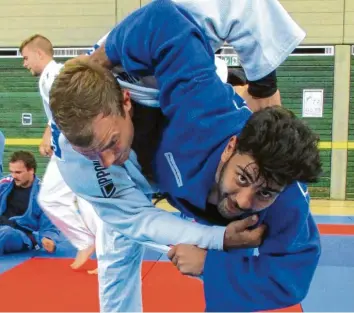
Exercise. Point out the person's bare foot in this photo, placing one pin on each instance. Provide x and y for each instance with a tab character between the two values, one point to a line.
93	272
82	256
48	245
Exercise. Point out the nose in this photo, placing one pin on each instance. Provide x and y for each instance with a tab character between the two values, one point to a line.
107	158
244	198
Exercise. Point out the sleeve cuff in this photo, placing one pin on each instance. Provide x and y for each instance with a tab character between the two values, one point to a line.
218	238
38	238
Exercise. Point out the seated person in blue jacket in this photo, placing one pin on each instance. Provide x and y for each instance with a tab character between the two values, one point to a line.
23	225
2	148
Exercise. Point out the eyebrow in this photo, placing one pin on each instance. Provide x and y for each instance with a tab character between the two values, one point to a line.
111	143
249	176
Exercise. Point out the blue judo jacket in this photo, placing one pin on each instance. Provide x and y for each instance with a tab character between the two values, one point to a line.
34	219
162	40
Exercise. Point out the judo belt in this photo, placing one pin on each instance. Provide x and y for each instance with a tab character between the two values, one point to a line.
5	221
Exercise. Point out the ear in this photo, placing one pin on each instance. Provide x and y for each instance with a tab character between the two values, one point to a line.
127	105
229	150
40	53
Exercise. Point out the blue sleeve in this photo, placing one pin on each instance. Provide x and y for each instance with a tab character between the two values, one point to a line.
2	186
4	183
46	229
279	276
161	40
2	147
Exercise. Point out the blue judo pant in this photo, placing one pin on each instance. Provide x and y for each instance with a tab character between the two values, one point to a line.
13	240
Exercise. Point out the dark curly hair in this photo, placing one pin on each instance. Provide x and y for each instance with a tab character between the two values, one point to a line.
283	146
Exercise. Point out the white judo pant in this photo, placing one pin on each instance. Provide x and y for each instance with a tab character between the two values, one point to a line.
119	272
117	256
72	215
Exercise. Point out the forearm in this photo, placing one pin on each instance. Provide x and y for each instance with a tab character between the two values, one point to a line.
133	215
99	56
47	134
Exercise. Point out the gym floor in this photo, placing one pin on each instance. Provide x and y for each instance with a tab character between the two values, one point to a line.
35	281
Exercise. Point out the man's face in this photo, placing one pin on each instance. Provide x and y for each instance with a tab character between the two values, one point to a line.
241	191
22	176
113	136
31	60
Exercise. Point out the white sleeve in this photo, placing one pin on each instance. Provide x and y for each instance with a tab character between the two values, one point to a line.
261	31
132	214
45	84
120	200
44	92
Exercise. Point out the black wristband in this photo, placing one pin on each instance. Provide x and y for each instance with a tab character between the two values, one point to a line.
236	77
264	87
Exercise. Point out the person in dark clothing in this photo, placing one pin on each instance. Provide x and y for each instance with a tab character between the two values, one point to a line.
23	225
